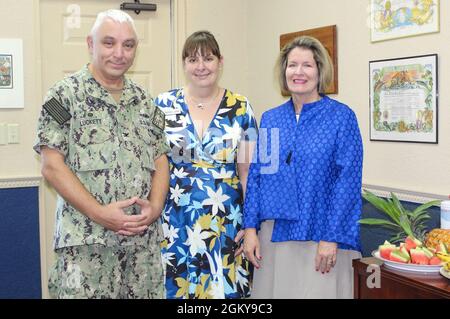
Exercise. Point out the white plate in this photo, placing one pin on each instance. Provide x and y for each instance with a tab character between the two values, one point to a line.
445	273
407	267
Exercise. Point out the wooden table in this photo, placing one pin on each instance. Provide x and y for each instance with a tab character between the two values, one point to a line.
395	284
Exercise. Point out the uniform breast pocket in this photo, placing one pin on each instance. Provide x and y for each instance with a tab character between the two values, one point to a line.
94	141
147	141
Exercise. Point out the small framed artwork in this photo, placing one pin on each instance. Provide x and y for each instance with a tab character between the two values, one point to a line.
11	73
390	19
6	71
327	36
403	99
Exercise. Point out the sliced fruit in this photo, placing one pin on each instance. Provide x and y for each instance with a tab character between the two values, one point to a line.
405	252
386	249
427	252
419	257
435	260
443	257
398	256
441	248
412	243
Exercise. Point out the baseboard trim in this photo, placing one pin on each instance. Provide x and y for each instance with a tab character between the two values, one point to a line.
402	194
18	182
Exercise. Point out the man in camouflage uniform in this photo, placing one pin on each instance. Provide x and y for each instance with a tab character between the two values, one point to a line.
101	142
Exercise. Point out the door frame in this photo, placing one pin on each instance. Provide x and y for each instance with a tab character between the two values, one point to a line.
178	34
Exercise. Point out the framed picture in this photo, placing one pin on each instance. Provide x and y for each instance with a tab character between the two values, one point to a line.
327	36
403	99
6	71
392	19
11	73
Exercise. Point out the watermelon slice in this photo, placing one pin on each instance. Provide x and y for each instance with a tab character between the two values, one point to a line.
441	248
398	256
412	243
419	257
386	249
405	252
435	261
427	252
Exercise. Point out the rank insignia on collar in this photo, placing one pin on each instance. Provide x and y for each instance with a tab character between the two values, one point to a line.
158	119
90	101
57	111
134	101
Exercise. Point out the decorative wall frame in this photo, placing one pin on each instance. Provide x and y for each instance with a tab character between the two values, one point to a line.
328	37
11	73
403	99
390	19
6	71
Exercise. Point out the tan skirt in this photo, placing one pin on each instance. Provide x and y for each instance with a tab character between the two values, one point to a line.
288	271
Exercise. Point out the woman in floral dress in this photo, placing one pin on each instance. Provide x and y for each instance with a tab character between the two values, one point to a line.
211	132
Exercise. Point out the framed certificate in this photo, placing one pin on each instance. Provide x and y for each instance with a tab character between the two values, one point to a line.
403	99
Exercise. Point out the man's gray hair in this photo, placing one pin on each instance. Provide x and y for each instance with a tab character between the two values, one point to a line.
115	15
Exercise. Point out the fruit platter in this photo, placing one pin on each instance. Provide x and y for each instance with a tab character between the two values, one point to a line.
420	251
412	255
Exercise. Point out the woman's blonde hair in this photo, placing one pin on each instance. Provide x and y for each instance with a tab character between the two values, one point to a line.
321	56
202	41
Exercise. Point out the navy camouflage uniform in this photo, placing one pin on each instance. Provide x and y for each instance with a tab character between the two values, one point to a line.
111	147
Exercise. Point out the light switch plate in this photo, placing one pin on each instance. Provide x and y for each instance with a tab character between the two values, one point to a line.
13	133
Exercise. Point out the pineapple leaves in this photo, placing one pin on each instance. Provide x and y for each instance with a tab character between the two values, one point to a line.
382	205
376	221
405	224
425	206
403	221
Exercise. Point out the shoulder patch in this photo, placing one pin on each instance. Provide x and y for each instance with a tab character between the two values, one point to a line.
158	118
57	111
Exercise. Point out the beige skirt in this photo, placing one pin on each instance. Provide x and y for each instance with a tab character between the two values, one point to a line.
288	271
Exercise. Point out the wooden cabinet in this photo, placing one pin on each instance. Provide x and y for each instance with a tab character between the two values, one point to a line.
395	284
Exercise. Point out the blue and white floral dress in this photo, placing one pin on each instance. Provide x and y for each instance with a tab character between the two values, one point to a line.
203	211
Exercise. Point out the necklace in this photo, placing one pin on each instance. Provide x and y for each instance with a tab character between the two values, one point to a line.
203	105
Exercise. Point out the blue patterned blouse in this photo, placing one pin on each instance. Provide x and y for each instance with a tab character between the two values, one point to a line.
306	175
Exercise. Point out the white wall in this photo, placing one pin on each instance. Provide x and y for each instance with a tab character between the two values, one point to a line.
17	20
227	20
409	166
18	162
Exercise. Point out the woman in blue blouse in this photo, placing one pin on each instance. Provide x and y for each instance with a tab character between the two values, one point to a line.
304	188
